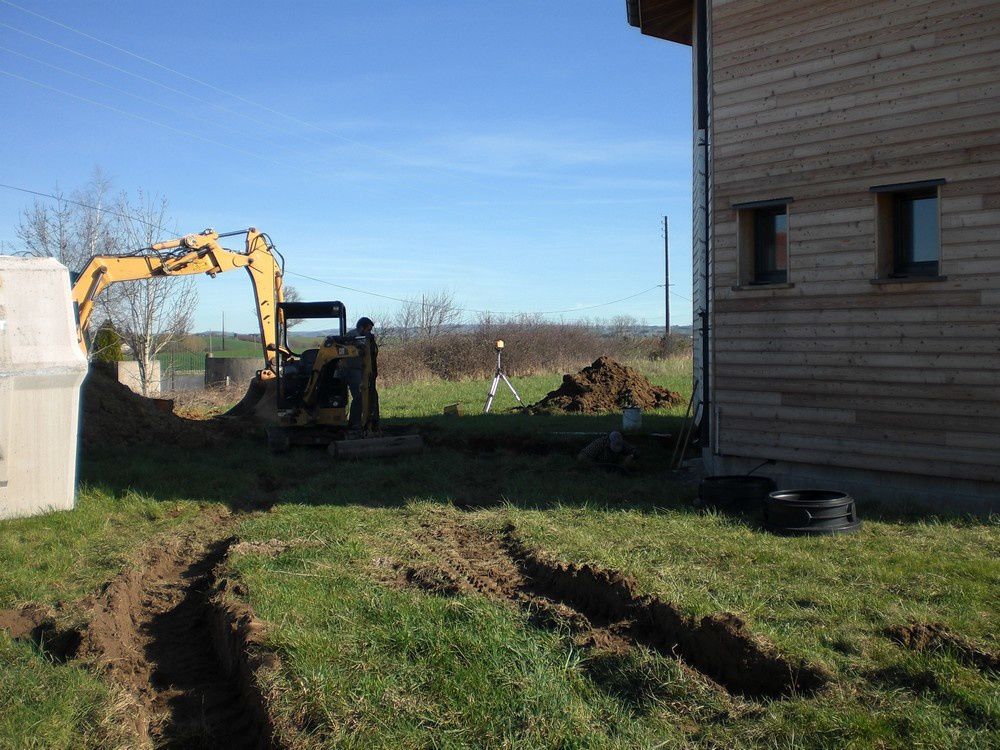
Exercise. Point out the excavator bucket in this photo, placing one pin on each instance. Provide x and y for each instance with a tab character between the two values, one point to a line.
260	401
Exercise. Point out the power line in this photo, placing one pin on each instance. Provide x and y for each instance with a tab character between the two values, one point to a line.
151	121
404	300
470	309
213	87
64	199
242	114
146	100
455	171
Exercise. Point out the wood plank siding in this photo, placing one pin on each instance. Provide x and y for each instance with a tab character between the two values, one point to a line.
819	101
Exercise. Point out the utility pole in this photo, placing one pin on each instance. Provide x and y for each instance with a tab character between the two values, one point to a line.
223	330
666	278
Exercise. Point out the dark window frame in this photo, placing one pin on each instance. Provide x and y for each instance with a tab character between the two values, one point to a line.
765	245
903	245
894	248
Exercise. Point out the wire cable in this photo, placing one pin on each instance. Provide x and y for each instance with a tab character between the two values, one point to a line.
470	309
404	300
213	87
145	100
242	114
64	199
151	121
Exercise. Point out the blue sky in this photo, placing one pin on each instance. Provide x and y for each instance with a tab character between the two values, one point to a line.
517	154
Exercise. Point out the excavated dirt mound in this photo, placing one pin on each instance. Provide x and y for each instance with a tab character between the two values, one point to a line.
113	417
921	636
600	607
39	625
604	386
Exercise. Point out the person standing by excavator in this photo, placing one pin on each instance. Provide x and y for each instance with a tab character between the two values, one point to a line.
353	372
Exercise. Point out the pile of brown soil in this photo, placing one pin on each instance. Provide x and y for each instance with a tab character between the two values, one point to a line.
113	418
601	608
605	386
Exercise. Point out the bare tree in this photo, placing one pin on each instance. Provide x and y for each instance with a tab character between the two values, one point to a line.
147	314
47	231
73	229
428	317
150	313
624	326
291	294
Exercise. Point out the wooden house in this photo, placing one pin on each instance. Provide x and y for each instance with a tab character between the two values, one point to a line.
847	241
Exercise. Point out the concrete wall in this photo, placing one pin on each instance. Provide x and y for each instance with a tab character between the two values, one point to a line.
128	375
174	382
41	369
238	370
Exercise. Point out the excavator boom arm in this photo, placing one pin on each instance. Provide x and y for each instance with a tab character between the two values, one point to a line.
193	254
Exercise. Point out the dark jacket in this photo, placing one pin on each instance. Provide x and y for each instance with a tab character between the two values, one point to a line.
356	363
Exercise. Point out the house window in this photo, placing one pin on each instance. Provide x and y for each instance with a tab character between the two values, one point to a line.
909	233
763	242
770	245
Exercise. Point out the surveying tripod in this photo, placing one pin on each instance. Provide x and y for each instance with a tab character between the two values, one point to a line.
497	376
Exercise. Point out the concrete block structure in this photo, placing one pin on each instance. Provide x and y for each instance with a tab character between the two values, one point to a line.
225	371
41	369
128	375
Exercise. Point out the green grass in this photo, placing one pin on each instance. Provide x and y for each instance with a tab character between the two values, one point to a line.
424	398
189	360
54	559
372	666
375	666
64	555
195	360
48	705
367	664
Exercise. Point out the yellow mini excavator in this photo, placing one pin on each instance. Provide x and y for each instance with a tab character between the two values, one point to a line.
301	397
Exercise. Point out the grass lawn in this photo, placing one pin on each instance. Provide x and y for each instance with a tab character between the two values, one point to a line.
56	558
370	662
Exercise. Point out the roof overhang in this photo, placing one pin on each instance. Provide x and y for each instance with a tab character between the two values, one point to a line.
665	19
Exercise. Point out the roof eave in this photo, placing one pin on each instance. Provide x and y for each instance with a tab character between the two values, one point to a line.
664	19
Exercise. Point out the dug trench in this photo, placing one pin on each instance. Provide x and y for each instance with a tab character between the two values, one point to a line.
166	632
601	608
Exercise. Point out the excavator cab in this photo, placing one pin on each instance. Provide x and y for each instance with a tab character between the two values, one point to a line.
295	370
313	399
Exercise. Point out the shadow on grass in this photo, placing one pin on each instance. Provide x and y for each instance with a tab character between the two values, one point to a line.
471	462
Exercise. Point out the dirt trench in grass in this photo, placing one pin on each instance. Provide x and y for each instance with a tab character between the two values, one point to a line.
164	634
188	657
601	608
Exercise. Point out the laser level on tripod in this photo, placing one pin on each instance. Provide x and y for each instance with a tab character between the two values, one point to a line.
497	377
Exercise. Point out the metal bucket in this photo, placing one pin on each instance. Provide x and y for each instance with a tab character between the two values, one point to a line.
631	419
